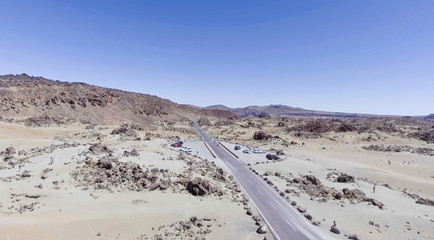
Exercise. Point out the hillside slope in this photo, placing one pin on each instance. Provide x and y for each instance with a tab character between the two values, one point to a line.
36	99
287	111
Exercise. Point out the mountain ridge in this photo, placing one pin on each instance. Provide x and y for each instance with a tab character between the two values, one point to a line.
279	110
25	97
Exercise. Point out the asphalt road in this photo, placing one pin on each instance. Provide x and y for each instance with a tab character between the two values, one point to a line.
284	221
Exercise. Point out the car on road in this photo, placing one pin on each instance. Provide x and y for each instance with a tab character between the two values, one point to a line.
247	151
237	147
257	151
177	144
272	157
185	149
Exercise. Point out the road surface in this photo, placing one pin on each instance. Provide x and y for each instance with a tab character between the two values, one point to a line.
284	221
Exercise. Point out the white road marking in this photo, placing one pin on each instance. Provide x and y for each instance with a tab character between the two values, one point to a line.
273	206
290	225
260	192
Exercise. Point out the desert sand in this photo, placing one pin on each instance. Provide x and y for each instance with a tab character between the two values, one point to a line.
127	182
400	178
51	204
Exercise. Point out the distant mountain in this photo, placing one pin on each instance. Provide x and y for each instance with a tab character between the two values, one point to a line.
431	116
219	107
36	99
285	111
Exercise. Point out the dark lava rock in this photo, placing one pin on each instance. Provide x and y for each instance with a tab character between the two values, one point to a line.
280	153
335	230
313	180
193	219
104	163
261	136
201	187
249	212
134	153
262	230
301	209
99	148
353	237
10	151
344	178
25	174
377	203
426	201
354	194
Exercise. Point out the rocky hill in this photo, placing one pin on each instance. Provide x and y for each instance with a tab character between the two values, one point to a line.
39	101
286	111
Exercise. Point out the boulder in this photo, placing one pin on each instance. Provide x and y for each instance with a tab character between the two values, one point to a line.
262	230
426	201
315	181
249	212
25	174
201	187
335	230
104	163
344	178
301	209
354	194
261	136
134	153
99	148
127	154
10	151
164	185
377	203
44	176
353	237
193	219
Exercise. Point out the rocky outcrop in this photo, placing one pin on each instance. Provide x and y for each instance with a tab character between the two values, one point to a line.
192	228
425	201
316	190
204	122
126	130
344	178
261	136
108	173
405	148
99	148
201	187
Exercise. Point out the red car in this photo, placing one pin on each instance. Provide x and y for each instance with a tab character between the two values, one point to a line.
177	144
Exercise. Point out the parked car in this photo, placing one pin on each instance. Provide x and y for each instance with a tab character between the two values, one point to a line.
257	151
237	147
272	157
246	151
185	149
177	144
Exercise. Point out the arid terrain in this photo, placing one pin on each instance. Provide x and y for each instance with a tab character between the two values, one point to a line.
115	182
332	166
83	162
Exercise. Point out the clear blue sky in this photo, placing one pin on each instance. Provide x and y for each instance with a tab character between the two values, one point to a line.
349	56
